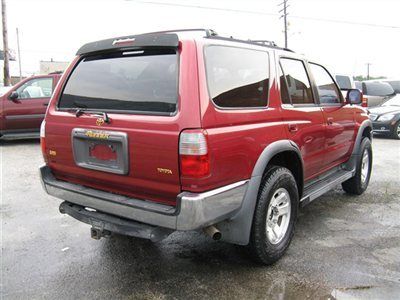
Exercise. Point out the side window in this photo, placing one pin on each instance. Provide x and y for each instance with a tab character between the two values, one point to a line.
36	88
237	77
298	84
327	90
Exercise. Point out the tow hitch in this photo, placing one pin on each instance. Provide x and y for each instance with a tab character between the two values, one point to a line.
97	233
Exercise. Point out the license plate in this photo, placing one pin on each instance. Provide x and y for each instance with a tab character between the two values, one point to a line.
105	151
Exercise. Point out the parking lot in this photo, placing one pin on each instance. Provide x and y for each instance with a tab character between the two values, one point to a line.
344	246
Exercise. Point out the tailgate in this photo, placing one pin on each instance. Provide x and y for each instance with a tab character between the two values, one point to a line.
115	126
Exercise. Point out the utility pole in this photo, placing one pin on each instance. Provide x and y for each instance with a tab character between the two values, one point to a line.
284	15
6	53
368	64
19	57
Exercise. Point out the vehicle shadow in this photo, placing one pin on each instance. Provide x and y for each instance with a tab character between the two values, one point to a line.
11	143
382	137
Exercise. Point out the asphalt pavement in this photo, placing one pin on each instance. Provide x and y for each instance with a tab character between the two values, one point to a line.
345	247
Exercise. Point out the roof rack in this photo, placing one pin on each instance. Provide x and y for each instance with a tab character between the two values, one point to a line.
263	43
208	32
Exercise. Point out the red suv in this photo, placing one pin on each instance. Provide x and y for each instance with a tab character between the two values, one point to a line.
188	130
23	107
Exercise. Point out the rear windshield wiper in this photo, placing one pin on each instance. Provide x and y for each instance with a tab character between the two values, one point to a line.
81	111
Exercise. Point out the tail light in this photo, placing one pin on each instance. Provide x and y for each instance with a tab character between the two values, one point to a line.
364	102
43	140
193	152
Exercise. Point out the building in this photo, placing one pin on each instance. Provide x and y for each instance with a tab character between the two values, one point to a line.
51	66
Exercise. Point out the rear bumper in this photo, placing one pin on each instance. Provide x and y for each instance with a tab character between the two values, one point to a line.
193	210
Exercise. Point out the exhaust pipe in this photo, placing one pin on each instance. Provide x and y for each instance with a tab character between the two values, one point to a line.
213	232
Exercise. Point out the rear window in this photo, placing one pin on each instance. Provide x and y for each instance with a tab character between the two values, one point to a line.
395	85
377	88
135	81
237	77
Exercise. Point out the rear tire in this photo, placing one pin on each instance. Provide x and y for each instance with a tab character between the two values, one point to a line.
274	216
359	182
396	131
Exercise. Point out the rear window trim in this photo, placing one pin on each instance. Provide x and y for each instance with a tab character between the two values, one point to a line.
123	112
239	108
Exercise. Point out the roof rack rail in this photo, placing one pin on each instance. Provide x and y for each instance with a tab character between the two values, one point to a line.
264	42
208	32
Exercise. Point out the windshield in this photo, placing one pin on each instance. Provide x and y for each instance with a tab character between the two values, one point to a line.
134	81
395	101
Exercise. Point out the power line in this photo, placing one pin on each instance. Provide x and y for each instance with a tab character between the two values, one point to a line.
266	14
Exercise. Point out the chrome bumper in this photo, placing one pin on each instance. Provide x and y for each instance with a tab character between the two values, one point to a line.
193	211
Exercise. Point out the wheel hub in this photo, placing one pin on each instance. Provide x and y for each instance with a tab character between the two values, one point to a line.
278	216
365	166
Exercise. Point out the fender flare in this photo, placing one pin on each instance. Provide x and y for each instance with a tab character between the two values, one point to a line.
352	162
357	143
237	229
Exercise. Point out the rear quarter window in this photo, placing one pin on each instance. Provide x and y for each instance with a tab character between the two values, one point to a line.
237	77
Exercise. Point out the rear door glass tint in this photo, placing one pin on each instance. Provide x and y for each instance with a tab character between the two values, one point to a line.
237	77
298	84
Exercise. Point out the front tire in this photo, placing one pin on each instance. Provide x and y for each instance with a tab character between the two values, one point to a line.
359	182
274	216
396	131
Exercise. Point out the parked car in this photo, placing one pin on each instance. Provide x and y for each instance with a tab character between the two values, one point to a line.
358	85
345	82
24	105
394	83
377	92
153	133
386	118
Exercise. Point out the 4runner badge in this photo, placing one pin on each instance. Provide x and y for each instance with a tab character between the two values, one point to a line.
99	121
97	134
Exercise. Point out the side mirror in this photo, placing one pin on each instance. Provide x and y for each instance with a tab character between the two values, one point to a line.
13	96
354	96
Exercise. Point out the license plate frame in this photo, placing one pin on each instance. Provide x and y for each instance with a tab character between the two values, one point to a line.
83	139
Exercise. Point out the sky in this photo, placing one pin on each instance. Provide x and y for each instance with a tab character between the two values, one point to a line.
342	35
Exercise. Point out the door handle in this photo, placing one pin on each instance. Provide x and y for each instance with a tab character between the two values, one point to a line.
293	128
308	139
45	104
329	121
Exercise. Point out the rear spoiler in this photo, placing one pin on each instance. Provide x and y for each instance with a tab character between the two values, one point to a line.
133	42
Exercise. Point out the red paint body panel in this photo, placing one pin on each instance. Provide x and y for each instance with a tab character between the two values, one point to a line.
26	114
235	137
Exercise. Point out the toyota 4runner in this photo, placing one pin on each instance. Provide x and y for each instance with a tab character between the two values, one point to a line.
188	130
